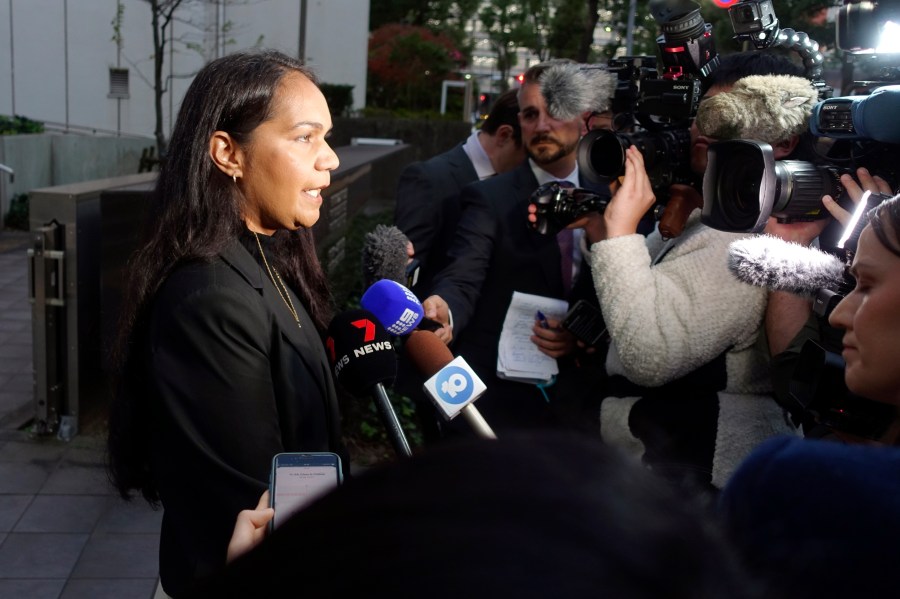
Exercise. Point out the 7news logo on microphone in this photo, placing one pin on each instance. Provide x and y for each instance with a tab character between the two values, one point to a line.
454	387
352	345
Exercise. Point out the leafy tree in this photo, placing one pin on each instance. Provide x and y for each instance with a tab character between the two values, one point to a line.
423	13
407	65
447	17
571	31
615	21
508	27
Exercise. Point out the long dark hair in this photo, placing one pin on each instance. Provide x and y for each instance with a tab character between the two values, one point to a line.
195	212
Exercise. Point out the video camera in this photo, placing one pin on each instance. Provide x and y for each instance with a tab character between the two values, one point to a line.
744	185
653	108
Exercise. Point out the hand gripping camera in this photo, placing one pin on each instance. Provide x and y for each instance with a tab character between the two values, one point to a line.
559	206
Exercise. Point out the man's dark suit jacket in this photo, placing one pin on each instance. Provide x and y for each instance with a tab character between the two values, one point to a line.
495	253
427	208
232	380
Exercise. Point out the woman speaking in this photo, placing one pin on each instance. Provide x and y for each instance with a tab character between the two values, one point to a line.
219	360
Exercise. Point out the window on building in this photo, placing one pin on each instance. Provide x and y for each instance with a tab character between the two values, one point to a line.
118	83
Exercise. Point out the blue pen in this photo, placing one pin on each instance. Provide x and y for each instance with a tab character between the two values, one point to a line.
542	320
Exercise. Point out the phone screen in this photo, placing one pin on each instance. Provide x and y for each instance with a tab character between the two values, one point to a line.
300	478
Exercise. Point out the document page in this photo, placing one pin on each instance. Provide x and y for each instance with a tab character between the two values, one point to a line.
518	359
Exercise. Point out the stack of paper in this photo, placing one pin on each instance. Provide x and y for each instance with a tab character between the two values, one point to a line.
518	358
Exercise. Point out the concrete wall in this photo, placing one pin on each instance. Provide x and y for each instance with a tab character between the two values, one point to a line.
47	159
427	137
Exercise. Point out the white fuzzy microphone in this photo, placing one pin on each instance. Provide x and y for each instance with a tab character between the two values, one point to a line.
571	89
779	265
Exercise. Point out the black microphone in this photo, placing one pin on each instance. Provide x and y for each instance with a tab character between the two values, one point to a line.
779	265
363	359
384	257
452	385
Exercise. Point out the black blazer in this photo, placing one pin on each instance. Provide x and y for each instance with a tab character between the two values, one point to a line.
427	208
494	253
232	380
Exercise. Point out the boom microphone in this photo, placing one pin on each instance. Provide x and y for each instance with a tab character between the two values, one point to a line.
363	358
453	386
769	108
396	307
779	265
571	89
384	255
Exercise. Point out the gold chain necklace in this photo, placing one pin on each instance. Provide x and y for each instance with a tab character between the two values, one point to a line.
279	284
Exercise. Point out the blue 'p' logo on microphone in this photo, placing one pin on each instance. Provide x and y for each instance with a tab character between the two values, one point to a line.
454	385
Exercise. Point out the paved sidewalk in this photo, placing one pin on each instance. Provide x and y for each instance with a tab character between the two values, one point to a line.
63	531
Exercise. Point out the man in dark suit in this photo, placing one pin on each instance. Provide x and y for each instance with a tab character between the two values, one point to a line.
427	208
495	253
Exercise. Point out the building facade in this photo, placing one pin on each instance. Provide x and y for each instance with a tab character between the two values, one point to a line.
87	65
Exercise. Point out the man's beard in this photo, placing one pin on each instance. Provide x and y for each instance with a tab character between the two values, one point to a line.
548	154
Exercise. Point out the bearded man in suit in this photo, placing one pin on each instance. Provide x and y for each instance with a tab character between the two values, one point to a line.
496	253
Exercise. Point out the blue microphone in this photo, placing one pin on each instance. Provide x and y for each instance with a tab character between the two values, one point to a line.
397	308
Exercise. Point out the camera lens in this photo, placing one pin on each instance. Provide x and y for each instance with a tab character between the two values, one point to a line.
744	186
859	25
601	155
800	187
746	13
684	28
734	177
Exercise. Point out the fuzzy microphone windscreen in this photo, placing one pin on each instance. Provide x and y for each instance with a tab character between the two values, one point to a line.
779	265
571	89
384	255
769	108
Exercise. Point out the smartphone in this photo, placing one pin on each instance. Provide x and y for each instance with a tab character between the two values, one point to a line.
585	321
412	273
298	479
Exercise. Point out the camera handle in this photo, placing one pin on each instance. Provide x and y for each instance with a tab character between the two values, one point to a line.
683	199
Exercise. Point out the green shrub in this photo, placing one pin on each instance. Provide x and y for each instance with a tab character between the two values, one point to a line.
19	124
17	217
339	98
405	113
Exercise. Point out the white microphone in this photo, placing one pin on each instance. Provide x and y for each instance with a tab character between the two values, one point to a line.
453	386
570	88
779	265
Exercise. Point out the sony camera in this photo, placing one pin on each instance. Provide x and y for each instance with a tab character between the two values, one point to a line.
557	206
654	102
744	185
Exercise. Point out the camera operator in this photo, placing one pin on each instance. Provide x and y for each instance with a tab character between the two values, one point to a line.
689	390
819	518
790	321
